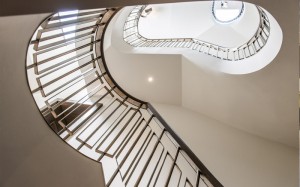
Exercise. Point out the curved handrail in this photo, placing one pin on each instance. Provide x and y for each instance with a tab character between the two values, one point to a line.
132	36
82	103
214	182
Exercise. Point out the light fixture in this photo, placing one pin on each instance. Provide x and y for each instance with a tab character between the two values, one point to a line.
150	79
224	4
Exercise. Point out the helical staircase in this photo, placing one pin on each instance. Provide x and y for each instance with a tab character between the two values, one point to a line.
82	103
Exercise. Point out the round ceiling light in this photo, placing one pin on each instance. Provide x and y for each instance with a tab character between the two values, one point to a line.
150	79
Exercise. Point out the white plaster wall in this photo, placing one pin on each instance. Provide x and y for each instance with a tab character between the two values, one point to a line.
30	159
131	72
262	102
32	155
235	158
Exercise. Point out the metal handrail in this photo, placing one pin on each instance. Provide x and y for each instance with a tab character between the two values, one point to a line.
105	122
132	36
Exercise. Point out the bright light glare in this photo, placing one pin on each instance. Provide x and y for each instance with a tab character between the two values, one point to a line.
226	15
64	13
150	79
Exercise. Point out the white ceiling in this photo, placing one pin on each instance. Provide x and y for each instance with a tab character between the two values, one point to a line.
263	103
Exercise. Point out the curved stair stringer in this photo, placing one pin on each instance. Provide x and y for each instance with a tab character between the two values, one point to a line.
82	103
132	36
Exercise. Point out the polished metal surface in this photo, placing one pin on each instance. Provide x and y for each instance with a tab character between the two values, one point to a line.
80	101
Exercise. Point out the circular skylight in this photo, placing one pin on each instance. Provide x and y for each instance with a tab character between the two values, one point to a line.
227	11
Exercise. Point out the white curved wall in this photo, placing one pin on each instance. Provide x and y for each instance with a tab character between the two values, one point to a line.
24	154
226	35
260	103
195	20
236	158
32	155
132	70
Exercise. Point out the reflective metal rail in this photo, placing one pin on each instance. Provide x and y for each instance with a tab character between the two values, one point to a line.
81	102
132	36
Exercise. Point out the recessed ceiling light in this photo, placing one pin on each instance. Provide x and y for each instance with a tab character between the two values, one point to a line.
150	79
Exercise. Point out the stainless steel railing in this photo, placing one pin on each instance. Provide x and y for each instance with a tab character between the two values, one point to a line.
81	102
132	36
